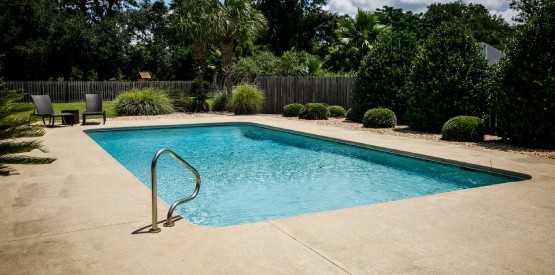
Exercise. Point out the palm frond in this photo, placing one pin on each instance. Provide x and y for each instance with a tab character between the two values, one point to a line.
14	147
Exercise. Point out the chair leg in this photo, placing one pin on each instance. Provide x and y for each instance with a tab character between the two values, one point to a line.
84	119
104	116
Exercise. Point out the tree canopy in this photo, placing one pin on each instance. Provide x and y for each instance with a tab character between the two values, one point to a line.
115	39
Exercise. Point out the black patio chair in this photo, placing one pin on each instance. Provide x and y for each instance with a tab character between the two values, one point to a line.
44	109
94	107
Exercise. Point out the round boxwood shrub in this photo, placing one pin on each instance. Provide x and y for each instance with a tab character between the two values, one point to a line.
314	111
141	102
350	115
463	128
379	118
292	110
337	111
246	99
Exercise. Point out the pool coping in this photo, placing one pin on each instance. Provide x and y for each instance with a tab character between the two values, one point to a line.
70	216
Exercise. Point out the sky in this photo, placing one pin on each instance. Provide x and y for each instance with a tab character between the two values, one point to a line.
499	7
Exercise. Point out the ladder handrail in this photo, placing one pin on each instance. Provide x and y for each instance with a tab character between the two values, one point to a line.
169	221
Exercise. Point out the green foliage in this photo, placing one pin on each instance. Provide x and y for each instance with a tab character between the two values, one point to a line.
238	23
13	127
525	99
349	114
292	110
291	63
354	39
337	111
247	99
137	102
485	27
314	111
221	101
463	128
303	25
379	118
449	77
382	75
182	102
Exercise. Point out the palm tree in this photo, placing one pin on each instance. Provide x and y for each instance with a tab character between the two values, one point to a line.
238	23
194	20
358	34
12	128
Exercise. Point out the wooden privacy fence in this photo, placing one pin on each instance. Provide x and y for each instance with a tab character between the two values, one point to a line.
281	91
72	91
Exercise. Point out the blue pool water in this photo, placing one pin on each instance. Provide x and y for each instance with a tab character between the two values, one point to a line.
251	173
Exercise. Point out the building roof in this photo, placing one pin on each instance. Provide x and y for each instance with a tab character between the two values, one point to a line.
144	75
491	54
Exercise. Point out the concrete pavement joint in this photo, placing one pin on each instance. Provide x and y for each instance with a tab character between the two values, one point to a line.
310	248
67	232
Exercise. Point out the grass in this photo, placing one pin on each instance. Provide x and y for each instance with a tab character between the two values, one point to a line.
108	106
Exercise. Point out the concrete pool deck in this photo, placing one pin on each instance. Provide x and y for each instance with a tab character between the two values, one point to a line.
85	213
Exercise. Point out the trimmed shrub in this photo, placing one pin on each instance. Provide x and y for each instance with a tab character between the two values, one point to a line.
337	111
383	74
314	111
449	77
292	110
246	99
140	102
463	128
379	118
350	115
525	98
221	101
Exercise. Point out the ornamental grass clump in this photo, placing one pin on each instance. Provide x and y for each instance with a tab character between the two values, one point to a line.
379	118
292	110
337	111
314	111
221	101
142	102
247	99
463	128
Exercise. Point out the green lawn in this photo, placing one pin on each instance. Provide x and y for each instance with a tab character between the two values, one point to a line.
108	106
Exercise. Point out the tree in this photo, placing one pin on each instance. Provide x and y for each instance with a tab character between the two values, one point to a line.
398	20
238	23
355	37
192	20
381	77
24	38
485	27
12	128
525	98
449	77
151	49
300	24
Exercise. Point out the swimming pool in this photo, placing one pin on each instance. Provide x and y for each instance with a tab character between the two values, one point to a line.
252	173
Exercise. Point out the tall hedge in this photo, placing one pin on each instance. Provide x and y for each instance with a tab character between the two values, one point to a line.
449	77
525	99
382	75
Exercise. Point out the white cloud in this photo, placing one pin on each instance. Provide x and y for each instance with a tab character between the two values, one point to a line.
500	7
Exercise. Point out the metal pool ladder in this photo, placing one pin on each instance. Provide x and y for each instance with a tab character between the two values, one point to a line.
169	222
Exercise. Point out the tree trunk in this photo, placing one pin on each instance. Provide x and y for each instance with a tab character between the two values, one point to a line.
228	50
